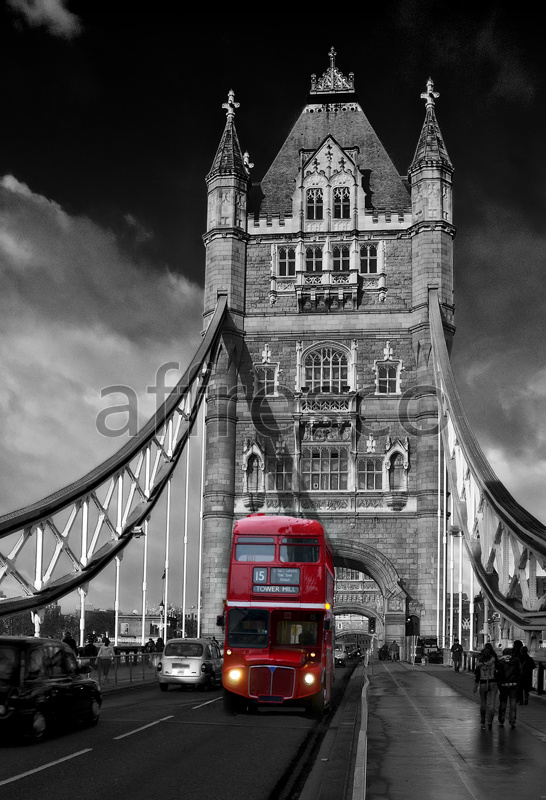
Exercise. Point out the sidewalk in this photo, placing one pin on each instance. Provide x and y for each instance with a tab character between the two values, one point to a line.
421	738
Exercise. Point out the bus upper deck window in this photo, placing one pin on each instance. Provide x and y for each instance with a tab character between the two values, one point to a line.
255	548
296	549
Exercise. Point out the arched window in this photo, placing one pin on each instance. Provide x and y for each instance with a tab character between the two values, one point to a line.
286	261
342	202
326	370
341	258
253	474
315	207
368	259
313	259
397	480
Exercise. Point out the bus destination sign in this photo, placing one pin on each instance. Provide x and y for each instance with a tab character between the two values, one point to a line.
276	580
267	588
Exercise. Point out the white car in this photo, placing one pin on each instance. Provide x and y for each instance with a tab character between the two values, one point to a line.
190	662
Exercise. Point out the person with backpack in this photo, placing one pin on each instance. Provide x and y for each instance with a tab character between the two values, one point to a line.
485	681
510	674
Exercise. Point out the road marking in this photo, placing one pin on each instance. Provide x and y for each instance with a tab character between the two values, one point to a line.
143	728
45	766
207	703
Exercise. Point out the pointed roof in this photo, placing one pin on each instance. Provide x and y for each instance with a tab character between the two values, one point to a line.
229	159
430	147
333	109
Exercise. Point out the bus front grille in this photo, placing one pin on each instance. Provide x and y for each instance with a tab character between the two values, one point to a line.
271	681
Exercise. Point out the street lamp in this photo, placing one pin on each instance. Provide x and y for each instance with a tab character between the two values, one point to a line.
161	619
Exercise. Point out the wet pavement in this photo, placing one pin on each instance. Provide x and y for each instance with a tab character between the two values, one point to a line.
422	738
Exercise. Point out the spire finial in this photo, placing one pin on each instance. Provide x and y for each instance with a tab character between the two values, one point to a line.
231	105
332	80
430	95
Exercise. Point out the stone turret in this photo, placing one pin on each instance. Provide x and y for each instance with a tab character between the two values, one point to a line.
226	238
430	176
226	245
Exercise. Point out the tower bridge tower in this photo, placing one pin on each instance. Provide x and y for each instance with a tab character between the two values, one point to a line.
321	403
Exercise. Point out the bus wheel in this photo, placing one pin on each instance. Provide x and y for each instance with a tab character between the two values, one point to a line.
233	704
316	706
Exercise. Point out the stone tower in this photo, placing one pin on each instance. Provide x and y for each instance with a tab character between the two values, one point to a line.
321	403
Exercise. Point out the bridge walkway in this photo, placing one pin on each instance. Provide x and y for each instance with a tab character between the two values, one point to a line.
424	739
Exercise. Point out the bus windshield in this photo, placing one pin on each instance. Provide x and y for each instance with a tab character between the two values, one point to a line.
296	632
248	627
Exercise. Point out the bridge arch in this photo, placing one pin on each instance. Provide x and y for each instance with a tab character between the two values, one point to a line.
371	561
365	558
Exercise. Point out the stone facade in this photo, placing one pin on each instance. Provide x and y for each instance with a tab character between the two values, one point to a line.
324	378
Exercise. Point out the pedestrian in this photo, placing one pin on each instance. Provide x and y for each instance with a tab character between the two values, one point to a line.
457	654
105	656
527	667
70	641
486	675
394	651
509	682
159	645
90	652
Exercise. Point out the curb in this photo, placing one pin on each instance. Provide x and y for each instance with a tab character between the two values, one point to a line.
331	776
359	780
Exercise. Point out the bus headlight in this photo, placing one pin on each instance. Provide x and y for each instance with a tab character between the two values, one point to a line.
309	678
235	675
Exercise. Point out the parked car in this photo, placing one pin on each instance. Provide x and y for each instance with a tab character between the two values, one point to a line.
43	687
190	662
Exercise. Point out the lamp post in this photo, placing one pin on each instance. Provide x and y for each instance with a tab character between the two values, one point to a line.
162	620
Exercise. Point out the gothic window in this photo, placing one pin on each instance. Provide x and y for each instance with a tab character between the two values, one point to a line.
286	261
253	474
313	259
387	378
342	202
324	468
266	379
341	258
279	474
326	370
370	474
397	478
368	259
315	207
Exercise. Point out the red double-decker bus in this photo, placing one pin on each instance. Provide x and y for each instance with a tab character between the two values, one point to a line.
279	615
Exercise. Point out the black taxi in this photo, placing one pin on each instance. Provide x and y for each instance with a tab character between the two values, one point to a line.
42	687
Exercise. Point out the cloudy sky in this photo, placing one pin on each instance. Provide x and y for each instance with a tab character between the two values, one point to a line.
111	116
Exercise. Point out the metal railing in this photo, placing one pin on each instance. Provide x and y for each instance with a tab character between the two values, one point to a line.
125	669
